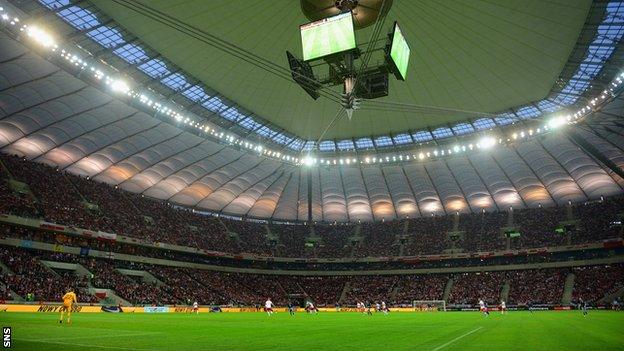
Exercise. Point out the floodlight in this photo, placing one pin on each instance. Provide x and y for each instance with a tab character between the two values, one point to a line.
120	86
556	122
308	161
40	36
487	142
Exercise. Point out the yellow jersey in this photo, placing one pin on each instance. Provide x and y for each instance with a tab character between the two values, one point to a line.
69	298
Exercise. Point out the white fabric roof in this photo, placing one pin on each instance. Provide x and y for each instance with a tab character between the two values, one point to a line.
49	116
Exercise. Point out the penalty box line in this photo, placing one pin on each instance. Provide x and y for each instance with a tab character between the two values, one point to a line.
457	338
89	345
93	336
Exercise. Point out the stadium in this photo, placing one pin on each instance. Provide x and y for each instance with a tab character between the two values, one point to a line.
311	175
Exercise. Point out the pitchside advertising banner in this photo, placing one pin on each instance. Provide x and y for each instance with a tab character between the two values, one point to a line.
163	309
53	308
156	309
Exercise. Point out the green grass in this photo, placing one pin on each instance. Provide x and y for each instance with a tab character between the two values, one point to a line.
326	331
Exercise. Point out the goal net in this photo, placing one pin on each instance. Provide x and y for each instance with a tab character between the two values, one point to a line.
429	305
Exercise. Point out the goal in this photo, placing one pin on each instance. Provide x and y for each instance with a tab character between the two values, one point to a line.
429	305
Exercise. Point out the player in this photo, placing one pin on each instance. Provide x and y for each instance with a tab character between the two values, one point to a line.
503	307
291	308
377	307
384	308
362	307
268	307
483	308
195	307
310	307
69	299
583	306
369	308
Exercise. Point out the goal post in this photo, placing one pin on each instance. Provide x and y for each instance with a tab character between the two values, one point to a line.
429	305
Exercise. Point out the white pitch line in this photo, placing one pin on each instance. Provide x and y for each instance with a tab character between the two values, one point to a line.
92	337
457	338
89	345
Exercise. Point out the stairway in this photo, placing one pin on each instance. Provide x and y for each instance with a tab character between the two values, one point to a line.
344	292
568	287
447	289
6	270
395	289
510	218
504	296
401	249
455	223
15	296
354	249
223	225
74	187
144	275
29	192
78	269
612	295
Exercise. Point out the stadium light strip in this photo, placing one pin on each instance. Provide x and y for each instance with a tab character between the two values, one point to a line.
124	88
557	121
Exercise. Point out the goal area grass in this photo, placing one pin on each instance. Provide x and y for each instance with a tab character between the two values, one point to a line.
541	330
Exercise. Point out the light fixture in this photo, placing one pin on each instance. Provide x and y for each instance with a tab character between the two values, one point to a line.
121	86
308	161
556	122
40	36
487	142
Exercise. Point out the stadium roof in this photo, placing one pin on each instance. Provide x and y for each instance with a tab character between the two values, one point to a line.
513	62
467	55
52	113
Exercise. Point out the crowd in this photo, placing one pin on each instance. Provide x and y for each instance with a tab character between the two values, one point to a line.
76	201
135	291
370	288
468	288
31	277
176	285
536	286
593	283
421	287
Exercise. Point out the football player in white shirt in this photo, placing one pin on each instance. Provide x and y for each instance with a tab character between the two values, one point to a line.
195	307
310	307
384	308
483	308
268	306
503	307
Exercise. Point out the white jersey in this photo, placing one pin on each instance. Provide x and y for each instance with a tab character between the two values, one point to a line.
195	305
268	304
503	305
481	304
377	306
310	305
359	305
383	305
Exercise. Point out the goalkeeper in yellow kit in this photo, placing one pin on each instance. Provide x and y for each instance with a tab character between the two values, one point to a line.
69	299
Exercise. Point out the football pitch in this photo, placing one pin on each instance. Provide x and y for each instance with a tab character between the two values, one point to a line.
326	331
